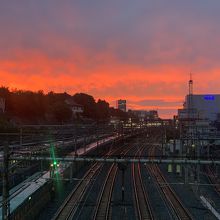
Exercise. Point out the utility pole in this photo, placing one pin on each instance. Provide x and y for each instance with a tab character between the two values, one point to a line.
97	136
190	127
165	139
21	141
181	147
5	192
162	139
123	185
75	139
84	143
75	145
74	164
122	167
198	147
131	126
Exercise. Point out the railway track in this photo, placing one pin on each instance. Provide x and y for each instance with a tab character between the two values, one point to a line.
103	206
68	208
143	207
102	210
213	179
180	211
70	205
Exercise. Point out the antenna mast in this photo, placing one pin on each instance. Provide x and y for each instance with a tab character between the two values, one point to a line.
190	100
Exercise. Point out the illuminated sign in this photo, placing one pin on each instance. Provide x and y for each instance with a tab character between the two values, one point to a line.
209	97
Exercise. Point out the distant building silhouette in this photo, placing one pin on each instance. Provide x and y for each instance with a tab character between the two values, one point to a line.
121	104
144	114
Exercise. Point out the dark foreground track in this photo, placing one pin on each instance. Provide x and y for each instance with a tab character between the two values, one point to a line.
181	212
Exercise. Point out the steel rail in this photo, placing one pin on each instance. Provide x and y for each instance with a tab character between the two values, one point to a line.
102	210
103	205
70	205
143	207
213	180
72	200
176	204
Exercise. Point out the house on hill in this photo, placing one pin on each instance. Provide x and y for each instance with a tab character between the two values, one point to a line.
76	108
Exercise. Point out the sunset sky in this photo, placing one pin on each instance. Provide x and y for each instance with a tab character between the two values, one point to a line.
141	50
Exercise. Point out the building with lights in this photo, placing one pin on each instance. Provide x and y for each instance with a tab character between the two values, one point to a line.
202	107
145	115
121	104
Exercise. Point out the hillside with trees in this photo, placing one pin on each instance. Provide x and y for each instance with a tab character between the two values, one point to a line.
37	107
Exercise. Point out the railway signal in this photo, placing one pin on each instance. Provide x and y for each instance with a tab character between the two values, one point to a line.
55	164
53	168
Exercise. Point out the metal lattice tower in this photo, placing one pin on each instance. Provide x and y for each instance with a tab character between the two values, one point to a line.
191	115
190	99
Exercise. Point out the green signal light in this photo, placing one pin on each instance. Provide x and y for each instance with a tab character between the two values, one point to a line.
55	163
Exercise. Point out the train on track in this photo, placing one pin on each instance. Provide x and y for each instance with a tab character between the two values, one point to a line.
31	196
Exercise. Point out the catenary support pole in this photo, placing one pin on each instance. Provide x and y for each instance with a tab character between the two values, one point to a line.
5	192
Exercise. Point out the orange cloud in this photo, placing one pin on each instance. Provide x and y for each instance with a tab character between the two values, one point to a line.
38	72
